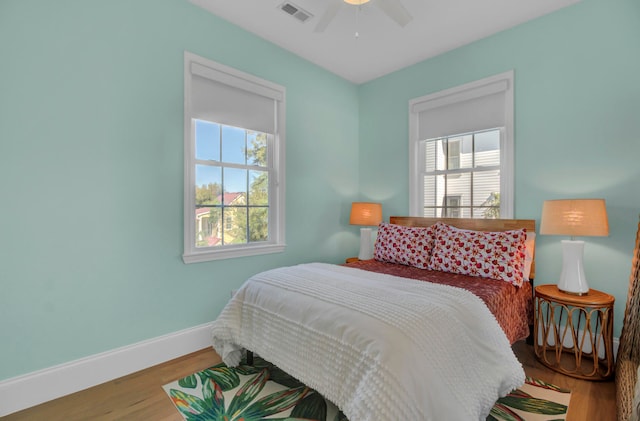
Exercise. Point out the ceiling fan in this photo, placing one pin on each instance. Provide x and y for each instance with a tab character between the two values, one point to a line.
392	8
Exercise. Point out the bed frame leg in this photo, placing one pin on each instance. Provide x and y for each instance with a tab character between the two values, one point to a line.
249	357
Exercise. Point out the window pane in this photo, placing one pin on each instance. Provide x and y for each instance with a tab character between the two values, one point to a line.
460	185
208	220
233	145
430	155
487	141
463	146
430	190
235	222
258	188
258	224
257	149
208	185
487	148
486	184
235	183
208	190
207	140
486	190
453	154
440	154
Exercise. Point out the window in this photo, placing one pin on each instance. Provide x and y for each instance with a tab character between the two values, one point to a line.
234	163
461	175
461	151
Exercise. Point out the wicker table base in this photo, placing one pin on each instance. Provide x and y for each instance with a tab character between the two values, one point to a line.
574	334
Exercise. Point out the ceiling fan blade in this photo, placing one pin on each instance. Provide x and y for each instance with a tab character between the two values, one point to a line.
395	10
329	14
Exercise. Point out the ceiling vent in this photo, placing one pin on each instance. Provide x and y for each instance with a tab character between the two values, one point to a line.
295	11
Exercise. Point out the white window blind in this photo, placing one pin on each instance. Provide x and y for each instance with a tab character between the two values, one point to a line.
229	100
465	111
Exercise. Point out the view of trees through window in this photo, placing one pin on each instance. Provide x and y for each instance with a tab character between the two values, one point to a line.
232	185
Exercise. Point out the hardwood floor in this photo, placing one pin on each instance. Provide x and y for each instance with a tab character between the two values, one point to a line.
139	396
589	400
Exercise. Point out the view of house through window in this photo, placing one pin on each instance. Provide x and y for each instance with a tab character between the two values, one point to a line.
461	176
231	185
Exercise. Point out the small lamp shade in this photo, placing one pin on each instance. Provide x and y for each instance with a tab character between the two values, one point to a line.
365	213
368	214
574	218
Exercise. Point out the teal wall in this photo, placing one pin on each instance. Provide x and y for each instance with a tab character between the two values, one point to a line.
91	173
91	157
577	126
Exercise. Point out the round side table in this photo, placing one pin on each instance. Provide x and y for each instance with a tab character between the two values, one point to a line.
573	334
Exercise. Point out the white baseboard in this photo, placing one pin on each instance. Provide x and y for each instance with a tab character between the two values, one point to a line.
31	389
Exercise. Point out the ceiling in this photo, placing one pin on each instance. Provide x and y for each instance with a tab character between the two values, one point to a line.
382	45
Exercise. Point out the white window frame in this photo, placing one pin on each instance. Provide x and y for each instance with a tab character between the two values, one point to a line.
470	91
276	162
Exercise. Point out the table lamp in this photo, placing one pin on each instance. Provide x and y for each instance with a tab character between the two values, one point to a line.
370	214
575	218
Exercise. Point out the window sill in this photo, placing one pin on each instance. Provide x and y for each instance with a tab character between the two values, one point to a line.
230	253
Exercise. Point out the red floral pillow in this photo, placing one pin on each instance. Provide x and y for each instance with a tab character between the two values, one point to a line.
409	246
496	255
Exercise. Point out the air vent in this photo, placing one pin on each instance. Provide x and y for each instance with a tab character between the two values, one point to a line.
295	11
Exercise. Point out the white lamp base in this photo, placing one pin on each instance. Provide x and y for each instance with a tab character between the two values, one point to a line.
572	279
366	246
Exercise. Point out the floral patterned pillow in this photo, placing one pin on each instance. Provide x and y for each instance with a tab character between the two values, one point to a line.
496	255
409	246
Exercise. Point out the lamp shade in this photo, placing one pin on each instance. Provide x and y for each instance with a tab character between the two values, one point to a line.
575	218
365	213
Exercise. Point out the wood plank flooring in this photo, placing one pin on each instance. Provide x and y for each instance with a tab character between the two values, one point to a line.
139	396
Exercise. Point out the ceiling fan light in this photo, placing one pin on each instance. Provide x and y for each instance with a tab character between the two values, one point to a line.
356	2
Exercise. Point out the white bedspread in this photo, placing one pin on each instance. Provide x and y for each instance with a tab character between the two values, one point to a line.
380	347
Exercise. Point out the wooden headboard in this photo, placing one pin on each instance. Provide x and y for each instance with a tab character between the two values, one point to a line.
472	224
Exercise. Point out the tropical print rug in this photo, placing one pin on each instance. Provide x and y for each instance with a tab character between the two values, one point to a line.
263	391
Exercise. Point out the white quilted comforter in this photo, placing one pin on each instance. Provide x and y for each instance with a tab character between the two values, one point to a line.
380	347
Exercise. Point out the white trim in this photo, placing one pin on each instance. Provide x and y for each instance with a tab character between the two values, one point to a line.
40	386
229	253
508	154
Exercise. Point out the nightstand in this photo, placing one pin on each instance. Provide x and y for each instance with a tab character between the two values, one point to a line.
573	334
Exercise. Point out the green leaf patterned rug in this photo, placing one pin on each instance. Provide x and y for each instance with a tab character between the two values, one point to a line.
252	393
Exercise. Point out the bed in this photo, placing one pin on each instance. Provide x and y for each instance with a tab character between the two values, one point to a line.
392	338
